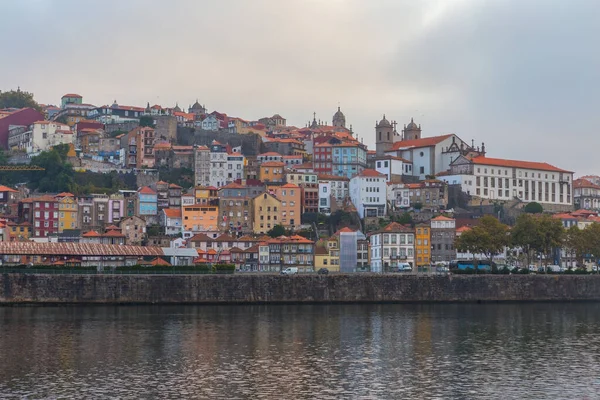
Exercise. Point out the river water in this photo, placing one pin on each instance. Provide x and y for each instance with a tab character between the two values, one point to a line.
449	351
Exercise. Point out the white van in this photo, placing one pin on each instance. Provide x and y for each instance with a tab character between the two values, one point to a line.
404	267
290	271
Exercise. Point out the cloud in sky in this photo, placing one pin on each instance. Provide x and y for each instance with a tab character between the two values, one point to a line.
521	76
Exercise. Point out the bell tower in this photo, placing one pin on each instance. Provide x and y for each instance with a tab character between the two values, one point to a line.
384	136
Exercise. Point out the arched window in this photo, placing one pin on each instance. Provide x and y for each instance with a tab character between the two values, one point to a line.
379	136
388	136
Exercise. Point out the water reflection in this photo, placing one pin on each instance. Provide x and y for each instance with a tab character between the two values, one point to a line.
520	351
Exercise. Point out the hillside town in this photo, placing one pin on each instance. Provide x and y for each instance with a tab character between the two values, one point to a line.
264	194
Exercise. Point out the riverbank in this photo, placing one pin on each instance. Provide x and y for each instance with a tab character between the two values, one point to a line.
343	288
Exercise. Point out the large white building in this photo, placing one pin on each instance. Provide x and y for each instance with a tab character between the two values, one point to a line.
391	246
368	193
429	155
503	180
41	136
225	166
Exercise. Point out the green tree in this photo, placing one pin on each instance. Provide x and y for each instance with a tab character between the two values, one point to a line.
146	120
18	99
405	219
58	173
533	208
276	231
551	233
576	240
3	157
489	237
526	235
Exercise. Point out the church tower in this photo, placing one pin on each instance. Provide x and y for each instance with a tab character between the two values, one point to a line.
411	131
339	119
384	136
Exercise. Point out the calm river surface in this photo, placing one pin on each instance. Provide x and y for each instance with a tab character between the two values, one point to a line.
491	351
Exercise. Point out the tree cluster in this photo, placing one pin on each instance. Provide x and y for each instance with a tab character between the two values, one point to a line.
18	99
534	234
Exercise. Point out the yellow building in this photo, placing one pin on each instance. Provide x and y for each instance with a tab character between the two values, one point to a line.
327	254
266	213
206	195
271	171
423	245
67	211
19	232
200	218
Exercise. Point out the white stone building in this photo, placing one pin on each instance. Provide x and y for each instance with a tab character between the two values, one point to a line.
41	136
391	246
368	193
393	167
504	180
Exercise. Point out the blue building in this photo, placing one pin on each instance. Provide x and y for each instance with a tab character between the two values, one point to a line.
147	202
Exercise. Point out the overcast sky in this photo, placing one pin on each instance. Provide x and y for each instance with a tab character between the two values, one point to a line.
523	76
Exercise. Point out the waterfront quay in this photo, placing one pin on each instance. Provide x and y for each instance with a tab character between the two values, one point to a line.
307	288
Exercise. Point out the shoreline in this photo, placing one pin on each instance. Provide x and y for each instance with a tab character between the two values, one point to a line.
67	289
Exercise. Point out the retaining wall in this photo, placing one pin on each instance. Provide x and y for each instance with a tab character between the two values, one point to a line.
196	289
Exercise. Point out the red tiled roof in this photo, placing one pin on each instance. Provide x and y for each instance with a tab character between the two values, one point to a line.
174	186
423	142
290	185
113	233
7	189
172	212
344	229
112	228
371	173
232	185
584	183
442	218
146	190
499	162
72	95
159	261
91	234
65	194
393	227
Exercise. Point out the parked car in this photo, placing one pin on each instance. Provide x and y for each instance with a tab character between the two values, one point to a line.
404	267
323	271
290	271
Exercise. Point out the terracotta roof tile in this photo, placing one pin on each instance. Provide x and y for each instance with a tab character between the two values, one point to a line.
371	173
172	212
481	160
423	142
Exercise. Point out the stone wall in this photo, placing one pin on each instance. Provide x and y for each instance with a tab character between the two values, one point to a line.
123	289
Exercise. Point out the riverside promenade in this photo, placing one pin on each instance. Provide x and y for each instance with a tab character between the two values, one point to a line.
255	288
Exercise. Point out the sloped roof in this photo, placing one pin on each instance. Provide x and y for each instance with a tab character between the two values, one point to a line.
394	227
172	212
91	234
423	142
499	162
146	190
371	173
442	218
7	189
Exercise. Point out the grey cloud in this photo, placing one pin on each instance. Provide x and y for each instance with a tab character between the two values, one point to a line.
521	76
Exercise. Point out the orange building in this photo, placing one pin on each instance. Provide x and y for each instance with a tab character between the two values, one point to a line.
200	218
271	171
290	196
